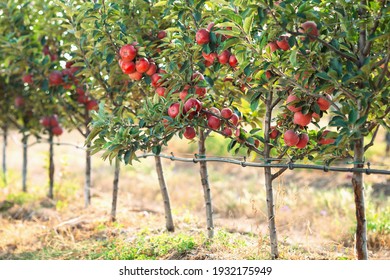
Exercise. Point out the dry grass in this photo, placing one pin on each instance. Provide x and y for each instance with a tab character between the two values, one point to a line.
315	212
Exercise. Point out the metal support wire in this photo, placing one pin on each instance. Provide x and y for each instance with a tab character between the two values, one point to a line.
290	165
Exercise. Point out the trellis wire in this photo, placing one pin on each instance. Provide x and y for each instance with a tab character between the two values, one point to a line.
290	165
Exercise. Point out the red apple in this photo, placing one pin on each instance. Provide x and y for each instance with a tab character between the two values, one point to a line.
55	78
214	122
234	119
46	50
268	74
310	27
233	61
28	79
156	80
53	121
202	36
56	130
226	113
227	131
161	91
201	91
301	119
193	105
127	67
189	132
92	105
82	99
161	34
174	110
325	141
272	46
223	57
136	76
19	101
256	143
293	99
290	138
142	65
128	52
183	94
324	103
303	140
69	64
209	57
215	111
152	69
283	43
45	121
80	91
316	117
273	133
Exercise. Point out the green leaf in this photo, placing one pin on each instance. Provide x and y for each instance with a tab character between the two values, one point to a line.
293	57
209	81
248	23
231	145
110	57
323	76
156	150
352	116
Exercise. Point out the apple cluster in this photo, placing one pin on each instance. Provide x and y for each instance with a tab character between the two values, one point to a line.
51	123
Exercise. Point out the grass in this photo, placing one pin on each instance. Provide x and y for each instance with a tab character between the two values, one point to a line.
315	213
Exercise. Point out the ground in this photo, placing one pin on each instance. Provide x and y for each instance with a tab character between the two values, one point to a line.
314	210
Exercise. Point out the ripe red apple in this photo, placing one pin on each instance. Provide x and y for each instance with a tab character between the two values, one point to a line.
283	43
174	110
227	131
46	50
55	78
226	113
161	34
92	105
69	64
189	132
82	99
325	141
273	133
45	121
56	130
209	57
156	80
161	91
136	76
233	61
53	57
19	101
301	119
256	143
142	65
192	104
183	94
303	140
293	99
324	103
127	67
310	27
201	91
80	91
223	57
28	79
268	74
128	52
202	36
290	138
214	122
234	119
316	117
53	121
272	46
215	111
152	69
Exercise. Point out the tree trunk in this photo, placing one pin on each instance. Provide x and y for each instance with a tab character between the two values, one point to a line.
165	195
205	183
51	167
358	188
268	180
115	190
4	163
24	167
87	184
